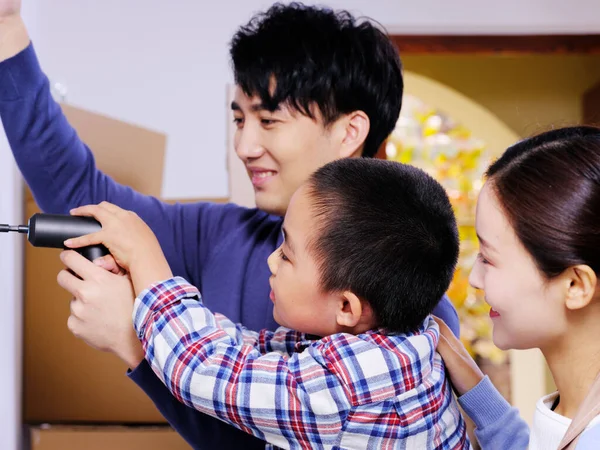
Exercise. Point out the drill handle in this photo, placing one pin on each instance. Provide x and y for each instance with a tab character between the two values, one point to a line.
92	252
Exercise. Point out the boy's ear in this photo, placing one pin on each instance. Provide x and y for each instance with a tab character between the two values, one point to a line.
354	129
353	312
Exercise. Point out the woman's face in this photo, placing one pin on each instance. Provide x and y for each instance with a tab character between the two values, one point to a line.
527	309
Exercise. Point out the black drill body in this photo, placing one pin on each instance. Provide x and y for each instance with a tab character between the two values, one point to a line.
52	230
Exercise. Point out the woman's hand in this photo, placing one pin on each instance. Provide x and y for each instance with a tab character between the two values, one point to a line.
464	372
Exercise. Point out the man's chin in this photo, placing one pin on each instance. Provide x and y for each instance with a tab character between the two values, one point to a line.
269	204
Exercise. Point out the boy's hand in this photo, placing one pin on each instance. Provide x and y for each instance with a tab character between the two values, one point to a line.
126	236
464	372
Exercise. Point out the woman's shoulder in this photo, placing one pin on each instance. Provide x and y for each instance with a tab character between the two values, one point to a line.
590	438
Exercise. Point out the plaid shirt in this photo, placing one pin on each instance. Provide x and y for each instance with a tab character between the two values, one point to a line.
370	391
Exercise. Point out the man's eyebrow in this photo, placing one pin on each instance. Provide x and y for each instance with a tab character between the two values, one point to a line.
286	239
255	107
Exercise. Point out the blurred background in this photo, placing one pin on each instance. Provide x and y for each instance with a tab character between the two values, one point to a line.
153	74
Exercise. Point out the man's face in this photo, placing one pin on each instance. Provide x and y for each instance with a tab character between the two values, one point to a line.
280	149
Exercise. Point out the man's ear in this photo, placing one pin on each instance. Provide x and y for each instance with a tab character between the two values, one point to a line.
352	131
581	285
352	312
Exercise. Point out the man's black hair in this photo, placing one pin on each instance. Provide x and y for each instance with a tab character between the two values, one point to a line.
387	232
319	57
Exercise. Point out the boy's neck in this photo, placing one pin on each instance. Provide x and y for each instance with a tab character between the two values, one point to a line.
348	330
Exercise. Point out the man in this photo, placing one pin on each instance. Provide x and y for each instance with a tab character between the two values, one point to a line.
312	86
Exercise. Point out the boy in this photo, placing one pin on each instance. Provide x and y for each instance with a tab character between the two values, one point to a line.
369	247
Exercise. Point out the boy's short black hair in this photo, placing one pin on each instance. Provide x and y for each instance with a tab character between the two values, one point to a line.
319	57
386	232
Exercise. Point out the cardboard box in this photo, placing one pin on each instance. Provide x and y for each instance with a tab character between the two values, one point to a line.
105	438
65	381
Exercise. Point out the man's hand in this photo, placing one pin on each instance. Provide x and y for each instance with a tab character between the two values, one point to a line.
464	372
9	8
13	34
102	307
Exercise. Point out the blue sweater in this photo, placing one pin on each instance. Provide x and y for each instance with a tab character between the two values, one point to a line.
221	249
499	426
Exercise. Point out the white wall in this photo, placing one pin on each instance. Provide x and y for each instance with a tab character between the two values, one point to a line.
11	250
11	331
164	65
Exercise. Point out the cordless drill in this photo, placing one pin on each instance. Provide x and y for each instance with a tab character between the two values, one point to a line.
51	230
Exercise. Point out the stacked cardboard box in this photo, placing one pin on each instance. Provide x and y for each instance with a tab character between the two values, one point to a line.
65	381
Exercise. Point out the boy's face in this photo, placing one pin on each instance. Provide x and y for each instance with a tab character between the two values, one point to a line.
280	149
299	303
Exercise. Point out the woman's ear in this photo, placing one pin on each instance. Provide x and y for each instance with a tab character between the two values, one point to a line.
581	289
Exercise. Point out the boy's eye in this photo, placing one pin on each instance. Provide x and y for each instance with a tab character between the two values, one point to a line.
238	121
282	255
267	121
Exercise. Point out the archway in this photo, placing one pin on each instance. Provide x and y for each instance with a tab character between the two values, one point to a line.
459	138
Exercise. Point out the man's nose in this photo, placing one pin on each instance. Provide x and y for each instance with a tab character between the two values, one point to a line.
248	145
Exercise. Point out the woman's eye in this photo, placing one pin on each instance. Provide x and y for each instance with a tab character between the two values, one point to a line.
482	258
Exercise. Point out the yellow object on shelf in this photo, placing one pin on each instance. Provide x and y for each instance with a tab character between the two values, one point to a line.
431	140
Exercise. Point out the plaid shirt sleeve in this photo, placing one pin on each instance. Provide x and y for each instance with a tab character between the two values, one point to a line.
251	380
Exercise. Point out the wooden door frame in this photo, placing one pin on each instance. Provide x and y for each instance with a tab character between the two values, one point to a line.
506	45
497	44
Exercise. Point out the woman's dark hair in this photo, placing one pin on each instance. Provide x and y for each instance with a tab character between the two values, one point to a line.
321	58
549	187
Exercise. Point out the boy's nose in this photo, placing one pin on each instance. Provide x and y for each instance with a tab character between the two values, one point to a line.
272	262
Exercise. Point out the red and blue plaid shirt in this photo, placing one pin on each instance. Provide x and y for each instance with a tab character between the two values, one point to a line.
369	391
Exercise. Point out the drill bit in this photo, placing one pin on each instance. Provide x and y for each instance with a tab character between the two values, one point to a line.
5	228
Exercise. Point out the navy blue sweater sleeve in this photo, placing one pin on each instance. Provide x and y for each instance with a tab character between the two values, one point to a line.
61	172
446	311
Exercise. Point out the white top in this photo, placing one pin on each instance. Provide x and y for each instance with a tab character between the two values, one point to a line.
548	427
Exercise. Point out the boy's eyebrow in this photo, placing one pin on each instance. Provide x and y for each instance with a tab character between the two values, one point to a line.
286	239
255	107
486	244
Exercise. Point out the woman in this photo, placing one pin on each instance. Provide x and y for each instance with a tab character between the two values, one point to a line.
538	224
